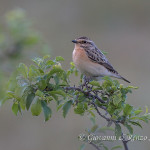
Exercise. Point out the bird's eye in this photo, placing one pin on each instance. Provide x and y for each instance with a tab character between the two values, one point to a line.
84	42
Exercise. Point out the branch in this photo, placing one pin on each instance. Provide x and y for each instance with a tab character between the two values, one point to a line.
114	121
85	93
103	116
109	120
125	145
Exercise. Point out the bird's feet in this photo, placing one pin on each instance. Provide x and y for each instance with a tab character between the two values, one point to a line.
86	81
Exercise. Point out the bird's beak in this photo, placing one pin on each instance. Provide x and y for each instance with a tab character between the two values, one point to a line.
74	41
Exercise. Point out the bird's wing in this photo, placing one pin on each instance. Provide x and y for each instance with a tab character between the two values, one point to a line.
98	57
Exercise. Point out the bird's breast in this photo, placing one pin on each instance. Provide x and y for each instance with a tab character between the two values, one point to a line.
85	65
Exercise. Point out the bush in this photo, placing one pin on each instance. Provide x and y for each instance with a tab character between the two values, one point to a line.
36	86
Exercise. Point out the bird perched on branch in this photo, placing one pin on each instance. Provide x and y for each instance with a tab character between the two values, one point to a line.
91	61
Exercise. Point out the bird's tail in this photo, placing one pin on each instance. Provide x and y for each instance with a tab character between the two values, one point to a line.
124	79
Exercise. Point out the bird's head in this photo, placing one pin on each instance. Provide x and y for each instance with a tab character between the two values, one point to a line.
83	42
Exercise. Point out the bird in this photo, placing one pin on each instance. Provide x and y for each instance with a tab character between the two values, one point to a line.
91	62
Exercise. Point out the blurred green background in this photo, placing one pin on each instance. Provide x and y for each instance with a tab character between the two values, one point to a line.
122	28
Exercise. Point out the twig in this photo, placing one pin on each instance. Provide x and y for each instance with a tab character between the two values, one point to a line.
88	93
85	93
108	119
124	141
125	145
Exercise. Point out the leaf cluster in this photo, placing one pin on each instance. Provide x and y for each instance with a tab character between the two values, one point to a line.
35	87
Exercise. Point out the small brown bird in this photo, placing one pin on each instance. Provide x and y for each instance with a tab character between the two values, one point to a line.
91	61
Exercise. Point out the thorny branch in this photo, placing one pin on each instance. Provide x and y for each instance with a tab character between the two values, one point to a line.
88	93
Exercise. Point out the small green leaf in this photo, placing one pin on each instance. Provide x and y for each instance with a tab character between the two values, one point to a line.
55	69
42	84
130	129
36	107
92	114
137	112
59	58
79	109
39	93
136	123
118	131
66	108
50	63
47	111
29	100
59	92
23	70
33	71
59	106
117	98
22	104
132	87
127	110
15	108
95	83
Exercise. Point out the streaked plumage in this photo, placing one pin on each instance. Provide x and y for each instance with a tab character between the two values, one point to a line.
91	61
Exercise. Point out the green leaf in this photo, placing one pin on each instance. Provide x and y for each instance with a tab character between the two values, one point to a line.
95	83
118	131
132	87
79	109
59	92
59	106
23	104
23	70
127	110
92	114
36	107
15	108
10	94
130	129
55	69
47	111
116	147
136	123
117	98
29	100
137	112
39	93
59	58
66	108
33	72
42	84
143	118
50	63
